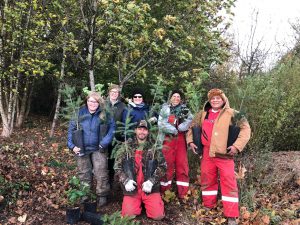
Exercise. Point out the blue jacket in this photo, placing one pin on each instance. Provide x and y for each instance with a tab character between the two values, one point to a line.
96	132
135	113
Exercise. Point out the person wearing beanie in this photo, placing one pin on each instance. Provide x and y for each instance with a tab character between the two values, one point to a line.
116	108
173	122
224	133
137	109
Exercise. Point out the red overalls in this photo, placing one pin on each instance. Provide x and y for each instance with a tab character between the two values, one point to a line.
174	151
153	203
209	174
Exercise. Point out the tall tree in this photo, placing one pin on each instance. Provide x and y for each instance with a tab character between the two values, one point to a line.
23	58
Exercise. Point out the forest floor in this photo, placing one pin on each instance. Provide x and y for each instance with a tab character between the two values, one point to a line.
35	170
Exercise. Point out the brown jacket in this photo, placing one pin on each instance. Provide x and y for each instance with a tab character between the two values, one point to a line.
227	116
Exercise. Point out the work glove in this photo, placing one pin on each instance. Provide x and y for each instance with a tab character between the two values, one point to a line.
152	120
130	185
147	186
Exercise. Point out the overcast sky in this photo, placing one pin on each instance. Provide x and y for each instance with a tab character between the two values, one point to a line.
273	22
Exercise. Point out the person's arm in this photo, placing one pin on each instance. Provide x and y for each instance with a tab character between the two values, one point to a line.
163	123
184	126
72	127
189	135
245	132
107	139
118	167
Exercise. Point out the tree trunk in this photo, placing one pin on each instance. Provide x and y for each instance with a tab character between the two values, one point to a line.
57	108
21	115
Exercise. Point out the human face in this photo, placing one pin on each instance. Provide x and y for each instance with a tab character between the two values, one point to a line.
92	104
113	94
175	99
141	133
137	99
216	102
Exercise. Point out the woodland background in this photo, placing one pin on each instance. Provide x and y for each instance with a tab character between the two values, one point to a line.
157	45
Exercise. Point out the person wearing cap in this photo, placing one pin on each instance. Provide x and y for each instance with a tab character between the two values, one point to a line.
139	167
137	109
216	120
97	133
173	122
116	108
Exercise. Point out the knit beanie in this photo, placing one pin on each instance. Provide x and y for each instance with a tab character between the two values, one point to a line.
137	91
216	92
177	91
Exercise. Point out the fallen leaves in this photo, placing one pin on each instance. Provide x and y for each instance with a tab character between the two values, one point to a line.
23	218
241	172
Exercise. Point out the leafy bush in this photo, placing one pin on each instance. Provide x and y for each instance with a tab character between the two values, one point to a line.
77	191
117	219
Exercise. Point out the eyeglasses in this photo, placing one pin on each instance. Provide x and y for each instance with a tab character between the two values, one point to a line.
94	102
114	92
137	96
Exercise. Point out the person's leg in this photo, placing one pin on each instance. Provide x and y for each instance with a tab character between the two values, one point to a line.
181	166
101	174
229	187
131	205
84	166
154	206
209	180
169	154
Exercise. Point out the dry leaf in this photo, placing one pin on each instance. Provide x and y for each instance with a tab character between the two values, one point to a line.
19	211
12	220
246	215
45	170
19	203
23	218
241	172
55	206
266	219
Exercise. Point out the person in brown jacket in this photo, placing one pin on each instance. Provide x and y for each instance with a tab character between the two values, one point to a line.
224	133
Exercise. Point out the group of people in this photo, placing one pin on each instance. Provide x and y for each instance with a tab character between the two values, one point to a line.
145	171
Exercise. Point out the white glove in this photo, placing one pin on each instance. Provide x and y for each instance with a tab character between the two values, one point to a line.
152	120
129	186
147	186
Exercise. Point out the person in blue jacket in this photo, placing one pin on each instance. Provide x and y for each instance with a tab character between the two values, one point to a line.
97	133
137	109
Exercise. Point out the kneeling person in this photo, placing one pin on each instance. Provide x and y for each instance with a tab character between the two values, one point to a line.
139	170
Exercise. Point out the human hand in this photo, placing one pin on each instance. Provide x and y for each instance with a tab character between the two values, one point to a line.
130	185
152	120
76	150
232	150
147	186
193	147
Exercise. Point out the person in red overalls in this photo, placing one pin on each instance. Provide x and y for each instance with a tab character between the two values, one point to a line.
173	122
139	168
216	120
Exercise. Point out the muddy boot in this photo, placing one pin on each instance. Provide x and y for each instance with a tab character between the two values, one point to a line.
232	221
102	201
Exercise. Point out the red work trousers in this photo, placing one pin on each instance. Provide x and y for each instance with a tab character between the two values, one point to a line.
154	204
209	183
174	151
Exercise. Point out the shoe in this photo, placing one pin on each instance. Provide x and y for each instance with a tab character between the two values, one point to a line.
232	221
102	201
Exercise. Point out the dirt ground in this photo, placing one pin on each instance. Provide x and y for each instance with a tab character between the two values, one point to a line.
34	174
